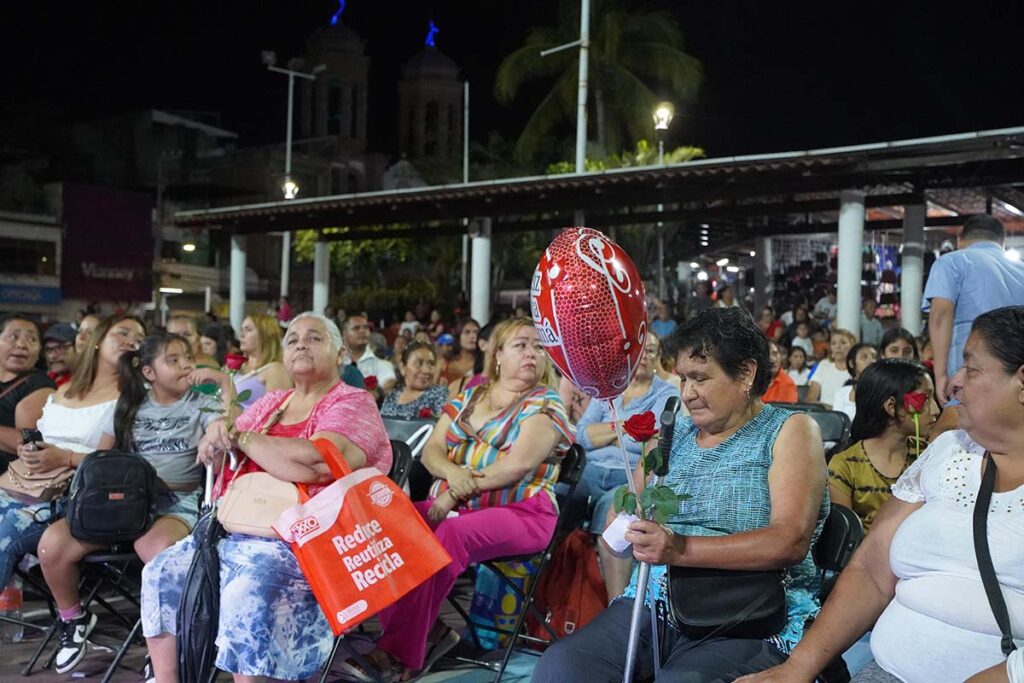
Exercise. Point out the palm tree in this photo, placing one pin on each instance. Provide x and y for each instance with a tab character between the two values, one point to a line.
629	52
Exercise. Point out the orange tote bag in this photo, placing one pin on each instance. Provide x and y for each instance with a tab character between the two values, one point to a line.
360	542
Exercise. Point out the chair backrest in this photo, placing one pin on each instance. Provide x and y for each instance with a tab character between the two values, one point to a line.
806	407
801	392
570	474
572	466
413	432
842	533
401	461
834	425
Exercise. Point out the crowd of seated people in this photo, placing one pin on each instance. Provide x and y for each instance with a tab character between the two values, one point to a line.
504	420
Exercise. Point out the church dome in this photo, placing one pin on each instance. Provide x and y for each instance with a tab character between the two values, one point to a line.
430	63
337	38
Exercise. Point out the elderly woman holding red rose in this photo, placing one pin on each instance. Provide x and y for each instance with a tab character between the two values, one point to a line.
638	408
416	396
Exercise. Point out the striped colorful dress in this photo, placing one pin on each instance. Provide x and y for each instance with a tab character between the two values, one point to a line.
476	449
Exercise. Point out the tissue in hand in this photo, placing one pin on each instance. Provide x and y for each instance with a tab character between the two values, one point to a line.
614	534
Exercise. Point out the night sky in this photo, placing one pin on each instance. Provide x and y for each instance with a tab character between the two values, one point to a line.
778	75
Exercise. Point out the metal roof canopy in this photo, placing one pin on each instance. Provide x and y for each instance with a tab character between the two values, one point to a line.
744	196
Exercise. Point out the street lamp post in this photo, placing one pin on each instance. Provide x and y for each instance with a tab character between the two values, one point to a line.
662	119
290	187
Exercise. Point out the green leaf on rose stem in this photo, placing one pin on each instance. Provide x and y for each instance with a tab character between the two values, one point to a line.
651	460
646	502
630	503
624	500
665	502
243	395
619	498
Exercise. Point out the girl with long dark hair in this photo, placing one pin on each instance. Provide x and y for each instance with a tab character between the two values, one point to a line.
158	416
861	477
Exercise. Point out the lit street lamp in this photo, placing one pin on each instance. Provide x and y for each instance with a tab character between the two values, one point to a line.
290	188
662	120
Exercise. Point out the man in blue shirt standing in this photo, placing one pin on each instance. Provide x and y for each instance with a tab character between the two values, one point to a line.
962	285
663	324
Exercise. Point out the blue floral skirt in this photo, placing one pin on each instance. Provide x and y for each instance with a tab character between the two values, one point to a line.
270	623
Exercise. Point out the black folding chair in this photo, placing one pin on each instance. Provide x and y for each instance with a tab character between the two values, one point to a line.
113	571
572	469
801	392
839	538
835	429
30	580
415	433
401	461
806	407
836	544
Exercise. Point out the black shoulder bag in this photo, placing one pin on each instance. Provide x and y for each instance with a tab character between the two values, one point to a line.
985	567
708	602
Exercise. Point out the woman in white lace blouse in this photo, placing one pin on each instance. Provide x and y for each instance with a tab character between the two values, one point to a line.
915	578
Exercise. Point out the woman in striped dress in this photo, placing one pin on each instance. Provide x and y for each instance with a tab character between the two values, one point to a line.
495	457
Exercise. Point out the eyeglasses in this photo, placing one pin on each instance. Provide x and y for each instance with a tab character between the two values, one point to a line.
58	347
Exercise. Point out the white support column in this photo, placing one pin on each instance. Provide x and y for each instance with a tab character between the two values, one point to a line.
480	286
912	270
851	241
286	261
321	275
237	281
764	279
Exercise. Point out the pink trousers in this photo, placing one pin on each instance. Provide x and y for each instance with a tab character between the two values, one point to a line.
473	536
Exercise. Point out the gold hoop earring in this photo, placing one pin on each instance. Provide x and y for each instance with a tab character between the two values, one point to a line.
497	368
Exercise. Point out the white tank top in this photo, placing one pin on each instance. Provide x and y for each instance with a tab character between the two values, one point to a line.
77	429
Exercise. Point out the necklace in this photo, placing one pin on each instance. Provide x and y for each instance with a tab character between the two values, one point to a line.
503	406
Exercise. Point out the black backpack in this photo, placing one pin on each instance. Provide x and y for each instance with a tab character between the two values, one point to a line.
112	497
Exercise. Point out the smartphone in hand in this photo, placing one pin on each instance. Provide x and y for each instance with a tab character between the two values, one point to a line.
31	436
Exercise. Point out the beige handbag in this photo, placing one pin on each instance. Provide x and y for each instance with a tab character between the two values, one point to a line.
33	487
254	501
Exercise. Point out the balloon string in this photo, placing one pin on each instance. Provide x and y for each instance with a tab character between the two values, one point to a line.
622	448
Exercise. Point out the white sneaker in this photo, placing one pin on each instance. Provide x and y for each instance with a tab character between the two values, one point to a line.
73	641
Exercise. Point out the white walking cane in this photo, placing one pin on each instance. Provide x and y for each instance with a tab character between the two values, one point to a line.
208	490
668	424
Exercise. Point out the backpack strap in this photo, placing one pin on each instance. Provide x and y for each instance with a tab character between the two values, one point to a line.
981	551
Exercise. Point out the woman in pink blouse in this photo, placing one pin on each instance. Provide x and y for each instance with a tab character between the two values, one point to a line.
270	623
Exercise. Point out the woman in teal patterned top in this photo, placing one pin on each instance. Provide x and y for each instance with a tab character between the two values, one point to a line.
756	477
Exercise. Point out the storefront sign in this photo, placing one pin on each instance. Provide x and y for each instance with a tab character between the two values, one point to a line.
29	295
108	244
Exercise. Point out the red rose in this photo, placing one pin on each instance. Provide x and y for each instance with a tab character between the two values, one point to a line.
641	427
234	361
426	412
371	382
914	401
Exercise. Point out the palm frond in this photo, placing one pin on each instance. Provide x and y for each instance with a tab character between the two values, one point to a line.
555	108
656	27
526	63
664	64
